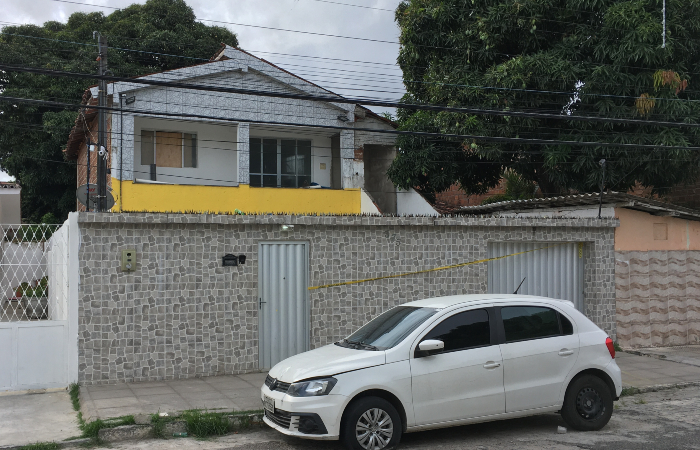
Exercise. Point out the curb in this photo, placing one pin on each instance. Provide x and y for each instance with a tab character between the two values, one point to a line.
62	444
134	432
661	387
686	361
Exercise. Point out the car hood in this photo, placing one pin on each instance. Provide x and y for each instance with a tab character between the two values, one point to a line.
325	361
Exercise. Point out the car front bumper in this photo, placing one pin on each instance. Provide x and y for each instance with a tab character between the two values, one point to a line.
327	408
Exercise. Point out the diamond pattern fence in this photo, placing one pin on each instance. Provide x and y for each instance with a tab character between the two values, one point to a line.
33	272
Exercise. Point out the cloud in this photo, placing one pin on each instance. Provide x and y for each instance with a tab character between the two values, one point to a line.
382	79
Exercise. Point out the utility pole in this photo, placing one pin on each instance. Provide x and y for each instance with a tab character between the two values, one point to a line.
102	125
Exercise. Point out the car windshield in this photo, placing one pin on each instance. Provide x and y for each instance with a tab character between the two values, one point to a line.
388	329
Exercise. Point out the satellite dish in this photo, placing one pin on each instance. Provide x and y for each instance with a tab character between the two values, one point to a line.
82	195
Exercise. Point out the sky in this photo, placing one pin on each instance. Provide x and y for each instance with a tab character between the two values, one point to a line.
368	68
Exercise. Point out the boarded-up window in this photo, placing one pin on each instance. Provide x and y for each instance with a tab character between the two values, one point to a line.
168	149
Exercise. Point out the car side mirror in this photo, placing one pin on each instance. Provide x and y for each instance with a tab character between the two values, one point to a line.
429	347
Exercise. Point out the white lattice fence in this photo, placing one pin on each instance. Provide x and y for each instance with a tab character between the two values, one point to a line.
33	276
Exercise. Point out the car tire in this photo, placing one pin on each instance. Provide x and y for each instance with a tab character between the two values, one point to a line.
371	414
588	403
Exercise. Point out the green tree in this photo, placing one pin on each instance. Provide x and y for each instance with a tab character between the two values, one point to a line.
32	137
568	57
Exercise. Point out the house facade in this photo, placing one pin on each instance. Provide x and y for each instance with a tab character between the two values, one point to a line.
173	149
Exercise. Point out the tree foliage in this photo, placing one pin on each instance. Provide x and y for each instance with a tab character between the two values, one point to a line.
32	137
569	57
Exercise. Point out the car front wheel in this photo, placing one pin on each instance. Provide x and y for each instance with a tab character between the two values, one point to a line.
588	404
371	423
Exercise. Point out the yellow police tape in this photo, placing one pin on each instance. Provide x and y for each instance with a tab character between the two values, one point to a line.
452	266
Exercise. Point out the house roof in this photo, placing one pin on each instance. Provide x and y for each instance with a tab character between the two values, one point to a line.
619	199
82	126
77	134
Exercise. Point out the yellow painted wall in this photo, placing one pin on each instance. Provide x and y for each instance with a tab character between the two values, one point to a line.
221	199
641	231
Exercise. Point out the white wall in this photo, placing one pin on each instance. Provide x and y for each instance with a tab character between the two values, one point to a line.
217	161
572	211
411	203
10	210
320	148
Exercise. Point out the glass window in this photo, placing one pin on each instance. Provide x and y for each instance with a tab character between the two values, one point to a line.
189	150
280	163
464	330
388	329
566	327
255	155
147	148
529	322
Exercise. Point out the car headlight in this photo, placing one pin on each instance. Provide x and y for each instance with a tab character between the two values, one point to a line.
311	388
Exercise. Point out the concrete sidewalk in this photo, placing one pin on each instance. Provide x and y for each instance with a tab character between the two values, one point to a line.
687	354
225	393
29	418
643	371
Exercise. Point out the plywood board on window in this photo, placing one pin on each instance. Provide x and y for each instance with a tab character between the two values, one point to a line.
168	149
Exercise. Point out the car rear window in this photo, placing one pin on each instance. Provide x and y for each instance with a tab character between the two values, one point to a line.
529	322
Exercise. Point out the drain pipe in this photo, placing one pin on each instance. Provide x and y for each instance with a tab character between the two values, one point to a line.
121	150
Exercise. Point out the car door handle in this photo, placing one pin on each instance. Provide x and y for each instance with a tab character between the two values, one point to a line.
491	365
565	352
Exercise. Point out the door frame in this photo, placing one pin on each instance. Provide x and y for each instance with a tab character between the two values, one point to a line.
259	293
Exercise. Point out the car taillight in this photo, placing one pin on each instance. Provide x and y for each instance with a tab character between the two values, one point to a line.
611	347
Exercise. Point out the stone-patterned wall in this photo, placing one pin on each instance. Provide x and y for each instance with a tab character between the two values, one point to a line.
658	298
181	314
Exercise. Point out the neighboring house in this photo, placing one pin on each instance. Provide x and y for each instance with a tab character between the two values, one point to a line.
182	150
657	261
10	206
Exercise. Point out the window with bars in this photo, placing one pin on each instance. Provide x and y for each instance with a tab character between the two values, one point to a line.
168	149
280	162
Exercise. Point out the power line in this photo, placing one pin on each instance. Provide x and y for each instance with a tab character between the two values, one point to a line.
522	141
345	100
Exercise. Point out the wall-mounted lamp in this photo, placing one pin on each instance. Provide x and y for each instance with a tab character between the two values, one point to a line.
130	100
287	227
343	118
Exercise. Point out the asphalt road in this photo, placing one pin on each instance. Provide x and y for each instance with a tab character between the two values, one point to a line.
659	420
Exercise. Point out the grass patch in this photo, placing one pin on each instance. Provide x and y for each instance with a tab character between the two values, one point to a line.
204	424
629	391
641	401
41	446
74	391
617	347
92	429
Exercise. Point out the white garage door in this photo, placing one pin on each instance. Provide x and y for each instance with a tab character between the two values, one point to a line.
555	270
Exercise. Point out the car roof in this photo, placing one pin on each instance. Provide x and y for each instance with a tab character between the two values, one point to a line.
454	300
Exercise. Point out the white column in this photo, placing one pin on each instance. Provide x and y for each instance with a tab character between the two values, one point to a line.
243	146
353	170
73	268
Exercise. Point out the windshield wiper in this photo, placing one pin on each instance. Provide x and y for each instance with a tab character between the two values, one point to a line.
361	345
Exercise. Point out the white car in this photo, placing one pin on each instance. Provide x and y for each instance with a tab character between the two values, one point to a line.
443	362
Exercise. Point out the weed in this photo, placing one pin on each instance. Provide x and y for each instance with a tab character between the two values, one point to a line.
92	429
203	423
629	391
641	401
41	446
74	391
158	424
617	347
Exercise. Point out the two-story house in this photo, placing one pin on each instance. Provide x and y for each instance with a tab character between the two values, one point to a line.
176	149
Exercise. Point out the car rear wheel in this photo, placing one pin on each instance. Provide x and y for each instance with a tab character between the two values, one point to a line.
371	423
588	404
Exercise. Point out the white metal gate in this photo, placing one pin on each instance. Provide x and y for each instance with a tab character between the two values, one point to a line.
35	315
283	301
555	270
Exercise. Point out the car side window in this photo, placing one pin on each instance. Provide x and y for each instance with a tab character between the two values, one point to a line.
463	330
567	328
529	322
